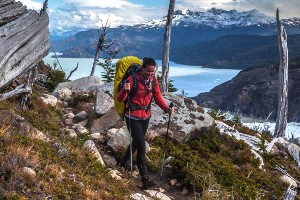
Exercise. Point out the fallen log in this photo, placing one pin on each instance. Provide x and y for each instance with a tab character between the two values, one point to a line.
24	39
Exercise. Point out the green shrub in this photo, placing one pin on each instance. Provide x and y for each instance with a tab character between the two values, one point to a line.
55	77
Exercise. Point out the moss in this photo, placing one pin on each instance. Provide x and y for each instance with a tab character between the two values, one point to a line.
219	160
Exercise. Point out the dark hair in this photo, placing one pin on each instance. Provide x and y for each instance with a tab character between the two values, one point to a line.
148	61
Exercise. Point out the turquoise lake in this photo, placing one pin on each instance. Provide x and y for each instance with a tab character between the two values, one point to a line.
192	79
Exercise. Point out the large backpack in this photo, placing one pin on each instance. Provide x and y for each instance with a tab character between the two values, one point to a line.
126	66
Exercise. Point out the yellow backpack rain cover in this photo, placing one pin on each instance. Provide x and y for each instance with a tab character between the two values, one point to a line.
121	67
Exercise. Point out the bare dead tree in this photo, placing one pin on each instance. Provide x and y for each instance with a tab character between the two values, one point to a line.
25	98
282	110
166	48
100	46
57	61
45	7
24	88
73	71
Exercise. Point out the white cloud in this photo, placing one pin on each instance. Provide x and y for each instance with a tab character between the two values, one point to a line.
32	4
91	14
119	4
288	8
86	14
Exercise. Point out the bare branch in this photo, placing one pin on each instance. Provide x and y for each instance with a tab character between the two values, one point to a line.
45	7
73	71
24	88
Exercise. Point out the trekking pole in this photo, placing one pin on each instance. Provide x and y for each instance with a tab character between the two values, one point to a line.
128	101
165	147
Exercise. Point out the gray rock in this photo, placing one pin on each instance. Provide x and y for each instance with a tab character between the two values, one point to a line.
107	87
62	151
71	132
79	128
115	174
296	141
28	172
91	147
82	85
84	122
109	161
70	115
68	122
63	94
81	116
103	102
288	180
138	196
187	121
157	195
97	137
106	122
111	132
49	99
120	140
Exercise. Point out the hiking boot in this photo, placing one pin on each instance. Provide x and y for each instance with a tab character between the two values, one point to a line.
147	183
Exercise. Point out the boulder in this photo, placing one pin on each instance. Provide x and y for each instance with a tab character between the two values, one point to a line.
82	85
288	180
139	196
24	39
107	88
296	141
97	137
109	161
106	122
79	128
187	121
103	102
63	94
120	140
49	99
294	151
91	147
81	116
157	195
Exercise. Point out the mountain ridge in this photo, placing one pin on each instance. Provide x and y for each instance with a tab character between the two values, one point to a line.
146	40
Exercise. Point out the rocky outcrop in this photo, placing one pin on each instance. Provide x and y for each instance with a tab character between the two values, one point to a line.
24	39
185	123
255	92
82	85
103	102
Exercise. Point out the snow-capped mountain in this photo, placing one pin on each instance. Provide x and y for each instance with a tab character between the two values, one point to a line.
198	31
218	18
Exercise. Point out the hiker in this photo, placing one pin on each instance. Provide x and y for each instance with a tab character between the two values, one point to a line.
138	113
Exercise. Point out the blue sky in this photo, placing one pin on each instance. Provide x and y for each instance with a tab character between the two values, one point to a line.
85	14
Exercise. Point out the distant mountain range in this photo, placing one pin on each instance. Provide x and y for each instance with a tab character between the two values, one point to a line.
193	33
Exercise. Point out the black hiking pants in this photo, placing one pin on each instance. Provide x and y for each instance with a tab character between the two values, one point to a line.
138	130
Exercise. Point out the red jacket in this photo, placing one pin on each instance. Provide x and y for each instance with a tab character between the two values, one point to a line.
142	97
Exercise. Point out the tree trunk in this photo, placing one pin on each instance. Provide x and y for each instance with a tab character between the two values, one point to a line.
24	88
24	39
100	46
281	120
166	48
25	98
